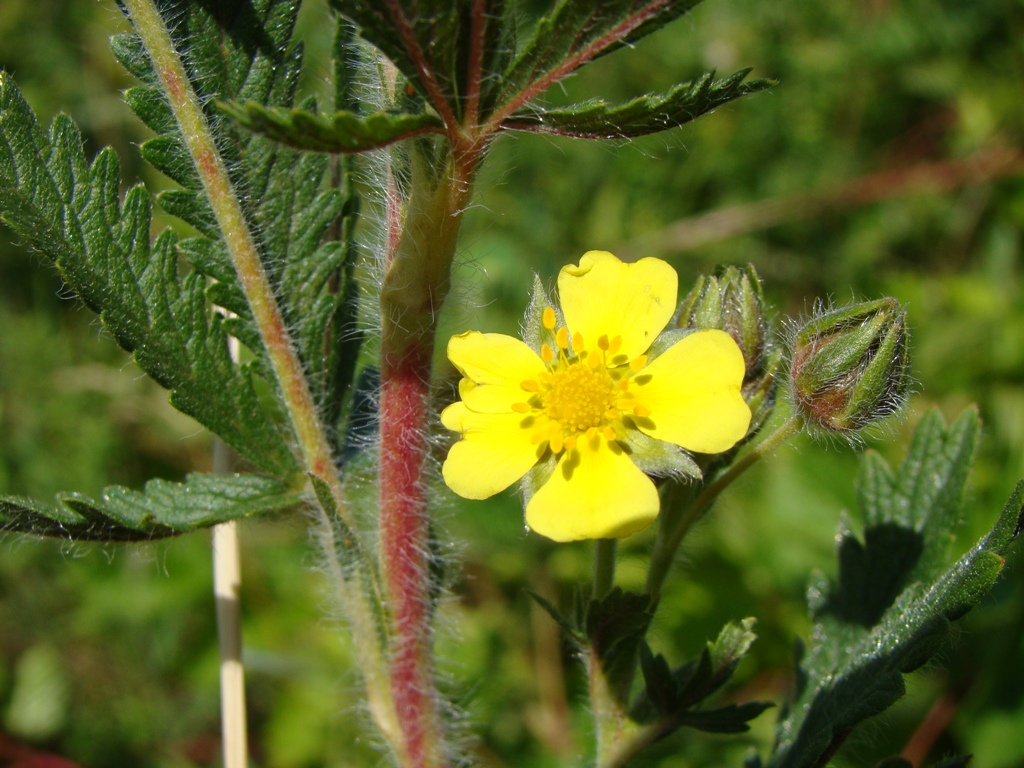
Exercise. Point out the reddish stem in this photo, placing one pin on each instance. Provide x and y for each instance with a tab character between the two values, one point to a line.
404	412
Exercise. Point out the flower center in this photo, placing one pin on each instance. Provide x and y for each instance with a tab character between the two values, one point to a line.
581	392
579	397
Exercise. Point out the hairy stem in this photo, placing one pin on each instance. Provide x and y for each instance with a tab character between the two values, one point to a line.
604	566
670	536
355	590
416	279
312	441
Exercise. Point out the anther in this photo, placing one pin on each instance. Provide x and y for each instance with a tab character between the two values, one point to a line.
577	342
641	410
603	343
546	353
521	407
530	385
609	433
549	318
638	363
562	338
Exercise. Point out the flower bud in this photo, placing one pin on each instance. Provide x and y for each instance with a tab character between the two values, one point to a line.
733	301
850	365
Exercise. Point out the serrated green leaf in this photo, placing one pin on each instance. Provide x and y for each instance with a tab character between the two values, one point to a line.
652	113
732	718
162	509
344	132
302	208
614	628
446	50
578	31
855	661
71	212
669	697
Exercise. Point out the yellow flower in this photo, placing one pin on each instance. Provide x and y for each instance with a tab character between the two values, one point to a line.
594	408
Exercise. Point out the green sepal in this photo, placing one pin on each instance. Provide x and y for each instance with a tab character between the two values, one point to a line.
657	457
642	116
897	593
162	509
343	132
534	332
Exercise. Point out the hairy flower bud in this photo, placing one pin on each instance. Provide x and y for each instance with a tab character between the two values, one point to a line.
850	365
733	301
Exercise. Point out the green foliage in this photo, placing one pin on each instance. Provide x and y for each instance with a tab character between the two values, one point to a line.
70	211
596	119
578	31
440	46
671	697
897	593
342	132
162	509
300	204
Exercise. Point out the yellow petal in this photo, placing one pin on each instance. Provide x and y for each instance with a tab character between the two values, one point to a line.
595	492
605	296
494	452
495	366
693	393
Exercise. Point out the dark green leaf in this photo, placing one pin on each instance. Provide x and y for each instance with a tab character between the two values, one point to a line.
71	212
614	628
447	50
648	114
578	31
343	132
897	592
732	718
301	208
669	697
162	509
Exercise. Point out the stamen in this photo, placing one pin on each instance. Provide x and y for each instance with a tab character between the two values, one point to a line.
638	363
595	361
570	442
641	410
549	318
556	441
577	342
603	343
612	414
615	344
592	433
562	338
609	432
530	385
546	353
624	385
521	407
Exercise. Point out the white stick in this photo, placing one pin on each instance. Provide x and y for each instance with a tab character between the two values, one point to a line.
227	585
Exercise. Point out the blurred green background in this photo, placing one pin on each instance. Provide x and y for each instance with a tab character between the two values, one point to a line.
887	161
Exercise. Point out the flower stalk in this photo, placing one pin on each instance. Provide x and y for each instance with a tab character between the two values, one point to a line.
677	520
416	281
